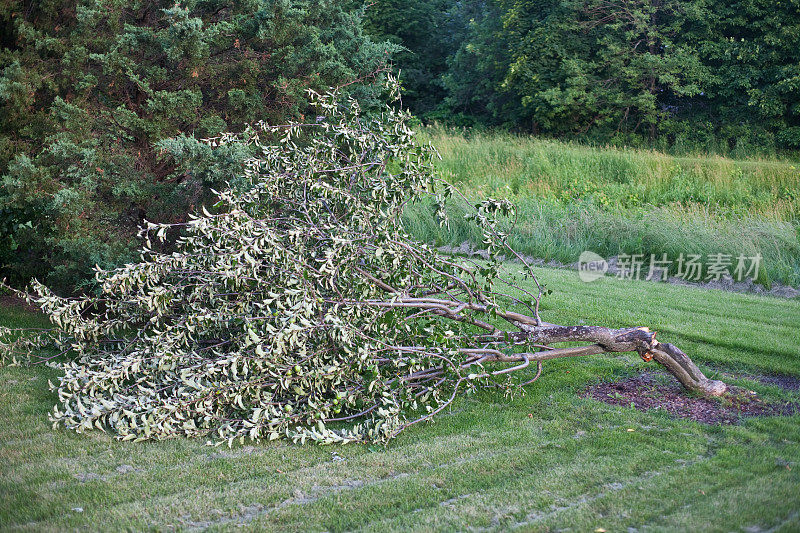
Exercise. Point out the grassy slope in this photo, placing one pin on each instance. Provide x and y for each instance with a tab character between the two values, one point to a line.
546	460
572	198
512	165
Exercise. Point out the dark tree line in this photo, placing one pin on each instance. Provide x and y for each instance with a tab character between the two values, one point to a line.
701	74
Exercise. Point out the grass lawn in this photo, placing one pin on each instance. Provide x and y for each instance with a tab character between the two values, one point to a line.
544	461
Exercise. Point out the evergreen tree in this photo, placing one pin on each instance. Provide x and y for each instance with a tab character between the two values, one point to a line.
89	89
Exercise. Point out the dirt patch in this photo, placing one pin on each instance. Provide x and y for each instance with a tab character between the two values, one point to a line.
648	391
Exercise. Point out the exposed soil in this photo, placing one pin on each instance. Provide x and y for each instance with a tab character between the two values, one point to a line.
648	391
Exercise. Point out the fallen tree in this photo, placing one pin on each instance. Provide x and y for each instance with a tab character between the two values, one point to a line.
299	308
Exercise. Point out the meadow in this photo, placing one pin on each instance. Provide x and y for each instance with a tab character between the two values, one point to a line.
549	459
572	197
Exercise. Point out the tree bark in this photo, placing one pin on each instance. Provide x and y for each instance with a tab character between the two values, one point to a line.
640	340
679	365
541	335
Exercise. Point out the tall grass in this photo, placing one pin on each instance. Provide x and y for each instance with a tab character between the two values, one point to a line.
572	198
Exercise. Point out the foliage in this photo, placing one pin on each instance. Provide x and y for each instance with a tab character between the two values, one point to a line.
474	79
271	317
427	32
91	89
705	75
608	65
754	86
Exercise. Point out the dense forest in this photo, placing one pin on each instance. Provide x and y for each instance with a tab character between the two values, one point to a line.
102	102
706	75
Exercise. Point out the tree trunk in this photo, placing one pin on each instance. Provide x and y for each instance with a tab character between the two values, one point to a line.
640	340
685	371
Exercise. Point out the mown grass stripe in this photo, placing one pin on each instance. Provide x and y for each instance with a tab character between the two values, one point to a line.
486	447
